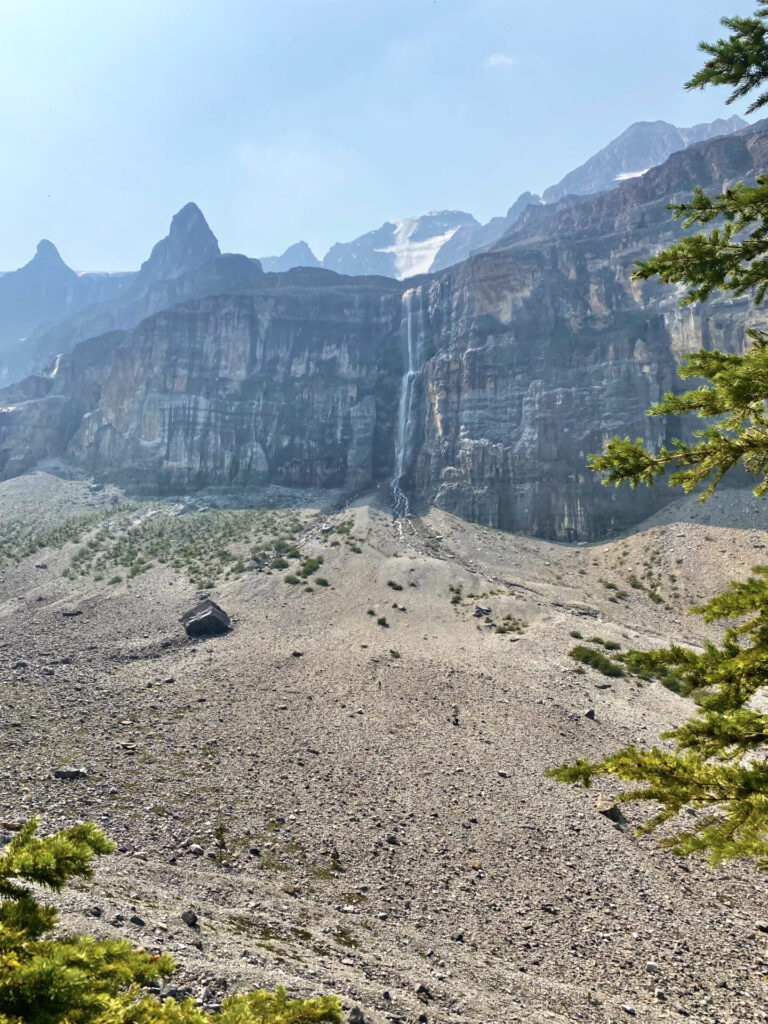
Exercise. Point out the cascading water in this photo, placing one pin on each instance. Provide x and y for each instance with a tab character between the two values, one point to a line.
414	346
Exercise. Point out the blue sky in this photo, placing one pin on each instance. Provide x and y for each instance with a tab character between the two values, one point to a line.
316	119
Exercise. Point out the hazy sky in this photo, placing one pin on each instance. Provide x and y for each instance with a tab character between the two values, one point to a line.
316	119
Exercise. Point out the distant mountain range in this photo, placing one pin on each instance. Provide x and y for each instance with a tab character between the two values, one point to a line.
434	241
45	307
643	145
484	386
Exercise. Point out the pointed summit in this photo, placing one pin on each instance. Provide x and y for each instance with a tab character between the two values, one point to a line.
189	244
47	255
297	255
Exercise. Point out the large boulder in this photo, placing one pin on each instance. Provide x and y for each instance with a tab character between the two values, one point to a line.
206	619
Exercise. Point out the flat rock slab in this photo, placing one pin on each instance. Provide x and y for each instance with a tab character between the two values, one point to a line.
206	619
69	772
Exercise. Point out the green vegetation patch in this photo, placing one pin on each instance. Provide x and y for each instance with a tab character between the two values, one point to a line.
597	660
208	545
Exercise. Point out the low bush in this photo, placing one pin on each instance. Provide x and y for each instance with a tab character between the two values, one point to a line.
597	660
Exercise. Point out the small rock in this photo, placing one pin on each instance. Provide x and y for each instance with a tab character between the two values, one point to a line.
300	654
41	565
629	1009
197	849
69	772
423	993
590	714
652	967
762	926
609	809
189	917
135	919
356	1016
71	613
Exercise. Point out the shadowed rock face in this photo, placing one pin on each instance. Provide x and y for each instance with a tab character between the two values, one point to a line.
185	263
527	357
293	383
45	290
544	347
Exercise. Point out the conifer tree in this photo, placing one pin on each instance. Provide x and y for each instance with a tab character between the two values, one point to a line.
77	979
718	766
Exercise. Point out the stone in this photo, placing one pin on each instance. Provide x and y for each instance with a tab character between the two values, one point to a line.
196	849
189	917
135	919
71	613
590	714
206	619
609	809
69	772
356	1016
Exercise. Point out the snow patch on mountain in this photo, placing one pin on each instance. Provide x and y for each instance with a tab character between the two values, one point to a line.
626	175
415	257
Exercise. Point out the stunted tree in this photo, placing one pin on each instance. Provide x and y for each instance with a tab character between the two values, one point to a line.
719	764
77	979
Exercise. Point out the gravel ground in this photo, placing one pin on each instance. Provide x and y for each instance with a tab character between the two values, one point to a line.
360	808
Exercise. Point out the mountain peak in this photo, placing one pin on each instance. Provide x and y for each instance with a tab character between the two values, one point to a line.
643	145
297	255
47	255
189	244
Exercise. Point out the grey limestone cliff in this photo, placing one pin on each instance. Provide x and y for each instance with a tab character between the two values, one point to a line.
523	358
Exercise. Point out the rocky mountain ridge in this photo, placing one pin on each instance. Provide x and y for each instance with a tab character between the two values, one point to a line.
521	361
433	242
186	262
643	145
45	289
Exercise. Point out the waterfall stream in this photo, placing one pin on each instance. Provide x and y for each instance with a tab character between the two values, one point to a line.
414	344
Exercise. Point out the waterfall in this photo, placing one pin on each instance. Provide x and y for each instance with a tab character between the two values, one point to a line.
414	344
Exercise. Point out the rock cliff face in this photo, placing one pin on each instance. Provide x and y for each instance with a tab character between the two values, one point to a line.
524	359
292	379
543	347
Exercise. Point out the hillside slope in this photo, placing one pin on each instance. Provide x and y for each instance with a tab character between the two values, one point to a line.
379	790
